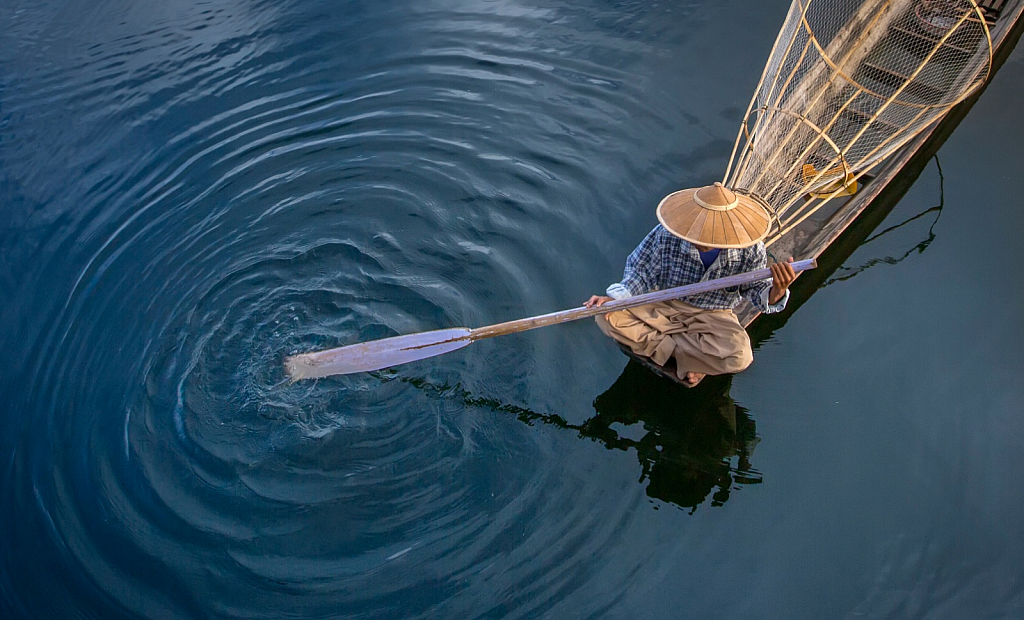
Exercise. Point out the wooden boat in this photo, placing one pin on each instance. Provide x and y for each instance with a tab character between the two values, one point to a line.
834	231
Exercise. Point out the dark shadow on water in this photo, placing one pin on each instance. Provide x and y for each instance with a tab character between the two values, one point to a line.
696	442
690	443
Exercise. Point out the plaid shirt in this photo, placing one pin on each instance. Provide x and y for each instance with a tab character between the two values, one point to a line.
663	260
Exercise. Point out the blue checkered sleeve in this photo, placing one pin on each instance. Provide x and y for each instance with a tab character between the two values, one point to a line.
644	264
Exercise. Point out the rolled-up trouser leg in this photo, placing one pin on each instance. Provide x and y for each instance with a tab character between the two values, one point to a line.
707	341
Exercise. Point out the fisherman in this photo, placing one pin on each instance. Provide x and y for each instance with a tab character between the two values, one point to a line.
705	233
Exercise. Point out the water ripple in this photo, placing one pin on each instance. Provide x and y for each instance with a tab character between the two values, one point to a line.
240	189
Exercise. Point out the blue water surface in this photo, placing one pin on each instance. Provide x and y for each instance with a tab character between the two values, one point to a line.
191	191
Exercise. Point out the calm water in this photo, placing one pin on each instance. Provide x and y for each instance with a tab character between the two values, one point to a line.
190	191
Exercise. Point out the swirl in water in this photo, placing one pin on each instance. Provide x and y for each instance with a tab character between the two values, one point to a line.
244	183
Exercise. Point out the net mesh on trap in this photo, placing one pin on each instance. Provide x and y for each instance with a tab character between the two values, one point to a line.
846	84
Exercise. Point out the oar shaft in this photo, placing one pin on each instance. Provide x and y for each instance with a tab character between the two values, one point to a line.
554	318
387	352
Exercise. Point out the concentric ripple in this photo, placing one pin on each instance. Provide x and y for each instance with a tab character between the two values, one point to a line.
249	181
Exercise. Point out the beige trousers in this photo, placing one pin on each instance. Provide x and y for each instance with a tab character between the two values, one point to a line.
707	341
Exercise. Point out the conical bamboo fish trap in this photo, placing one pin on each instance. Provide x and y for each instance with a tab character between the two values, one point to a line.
846	84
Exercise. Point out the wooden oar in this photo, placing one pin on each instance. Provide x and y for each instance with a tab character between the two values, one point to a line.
387	352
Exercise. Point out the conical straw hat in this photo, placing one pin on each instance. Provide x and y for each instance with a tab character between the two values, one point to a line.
714	217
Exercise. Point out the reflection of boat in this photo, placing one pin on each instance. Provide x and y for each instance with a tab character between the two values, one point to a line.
931	214
832	232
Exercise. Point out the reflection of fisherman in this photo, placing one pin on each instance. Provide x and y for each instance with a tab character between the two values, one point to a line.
691	436
705	234
693	440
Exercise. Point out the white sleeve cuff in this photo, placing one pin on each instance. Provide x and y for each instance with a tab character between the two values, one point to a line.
618	291
777	307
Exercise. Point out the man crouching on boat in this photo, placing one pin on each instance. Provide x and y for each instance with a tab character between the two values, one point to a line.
705	234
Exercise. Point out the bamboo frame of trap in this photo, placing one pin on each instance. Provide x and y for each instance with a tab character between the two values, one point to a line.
750	171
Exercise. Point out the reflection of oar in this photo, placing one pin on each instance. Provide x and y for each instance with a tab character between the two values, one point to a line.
387	352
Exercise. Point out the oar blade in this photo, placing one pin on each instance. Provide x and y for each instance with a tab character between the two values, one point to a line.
376	354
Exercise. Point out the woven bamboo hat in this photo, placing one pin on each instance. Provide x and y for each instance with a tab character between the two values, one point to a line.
714	217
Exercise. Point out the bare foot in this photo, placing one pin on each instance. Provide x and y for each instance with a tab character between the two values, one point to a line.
693	378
